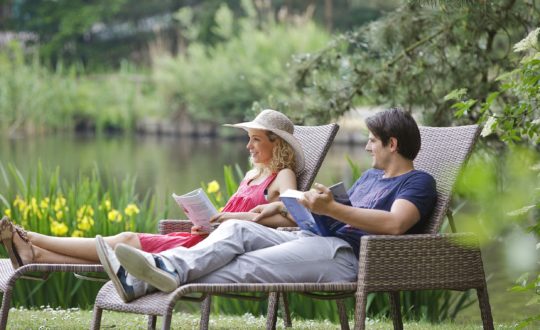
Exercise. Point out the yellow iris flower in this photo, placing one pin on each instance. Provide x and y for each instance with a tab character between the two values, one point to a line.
213	187
60	204
44	204
114	216
77	233
131	210
58	228
85	223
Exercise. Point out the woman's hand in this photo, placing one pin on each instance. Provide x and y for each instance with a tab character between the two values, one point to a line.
200	230
224	216
267	210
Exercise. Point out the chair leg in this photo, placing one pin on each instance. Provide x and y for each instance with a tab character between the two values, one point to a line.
271	314
152	322
205	312
396	310
167	321
287	321
96	318
4	311
360	309
485	308
343	319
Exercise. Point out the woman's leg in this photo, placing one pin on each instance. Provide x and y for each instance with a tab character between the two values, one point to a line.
78	248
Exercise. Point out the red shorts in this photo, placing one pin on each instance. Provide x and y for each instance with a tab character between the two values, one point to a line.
155	243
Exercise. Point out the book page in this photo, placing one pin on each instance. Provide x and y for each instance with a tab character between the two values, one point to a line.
197	207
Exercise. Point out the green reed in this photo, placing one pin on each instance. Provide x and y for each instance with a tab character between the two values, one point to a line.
42	202
35	98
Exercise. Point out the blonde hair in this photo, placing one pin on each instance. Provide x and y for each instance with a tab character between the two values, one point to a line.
283	156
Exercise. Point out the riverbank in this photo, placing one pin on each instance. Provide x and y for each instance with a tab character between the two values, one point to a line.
352	127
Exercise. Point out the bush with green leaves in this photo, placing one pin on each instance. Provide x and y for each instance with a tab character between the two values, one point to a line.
410	58
220	82
510	113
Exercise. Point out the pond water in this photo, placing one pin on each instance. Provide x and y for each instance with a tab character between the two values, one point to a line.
167	164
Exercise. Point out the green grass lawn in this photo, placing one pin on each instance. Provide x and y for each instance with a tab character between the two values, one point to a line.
48	318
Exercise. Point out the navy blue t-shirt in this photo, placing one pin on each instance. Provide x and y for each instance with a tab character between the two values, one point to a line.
372	191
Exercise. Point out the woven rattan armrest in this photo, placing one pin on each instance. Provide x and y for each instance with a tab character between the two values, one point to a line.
417	262
170	226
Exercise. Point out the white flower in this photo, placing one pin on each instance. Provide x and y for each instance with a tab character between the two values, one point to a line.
489	126
528	43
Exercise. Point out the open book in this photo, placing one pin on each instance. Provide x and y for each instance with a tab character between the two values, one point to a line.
315	223
197	207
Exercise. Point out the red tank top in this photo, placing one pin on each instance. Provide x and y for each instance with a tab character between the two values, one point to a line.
247	197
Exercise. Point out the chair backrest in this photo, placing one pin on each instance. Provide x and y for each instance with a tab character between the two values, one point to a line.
315	140
444	151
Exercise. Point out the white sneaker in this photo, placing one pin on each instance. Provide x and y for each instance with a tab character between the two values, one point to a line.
128	287
147	267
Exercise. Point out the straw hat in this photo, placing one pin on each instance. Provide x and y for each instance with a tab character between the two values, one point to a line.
279	124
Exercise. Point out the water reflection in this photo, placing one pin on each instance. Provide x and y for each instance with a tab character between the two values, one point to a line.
162	164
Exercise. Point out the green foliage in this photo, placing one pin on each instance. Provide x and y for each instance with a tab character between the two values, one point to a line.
42	202
511	111
510	195
101	34
35	98
410	58
503	199
219	83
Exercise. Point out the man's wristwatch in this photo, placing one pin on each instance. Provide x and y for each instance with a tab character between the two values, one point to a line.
283	211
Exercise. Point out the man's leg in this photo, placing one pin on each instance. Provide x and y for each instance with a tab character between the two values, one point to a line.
230	239
127	286
307	259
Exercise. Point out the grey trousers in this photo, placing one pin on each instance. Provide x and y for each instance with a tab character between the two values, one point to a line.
244	251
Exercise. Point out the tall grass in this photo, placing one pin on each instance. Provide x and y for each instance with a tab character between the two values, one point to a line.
36	98
42	202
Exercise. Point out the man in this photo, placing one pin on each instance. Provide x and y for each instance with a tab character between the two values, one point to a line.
391	198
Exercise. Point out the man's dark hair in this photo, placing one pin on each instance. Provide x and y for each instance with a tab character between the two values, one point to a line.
399	124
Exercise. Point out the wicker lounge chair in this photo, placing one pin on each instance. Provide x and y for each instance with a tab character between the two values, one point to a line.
414	262
9	276
316	140
387	263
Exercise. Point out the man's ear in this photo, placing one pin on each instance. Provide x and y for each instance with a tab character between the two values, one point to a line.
393	143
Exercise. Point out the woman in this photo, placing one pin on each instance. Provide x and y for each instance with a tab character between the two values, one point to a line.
276	156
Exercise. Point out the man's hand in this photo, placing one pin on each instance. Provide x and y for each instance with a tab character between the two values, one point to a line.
319	199
267	210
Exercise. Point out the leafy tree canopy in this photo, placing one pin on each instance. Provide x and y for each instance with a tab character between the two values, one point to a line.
412	58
